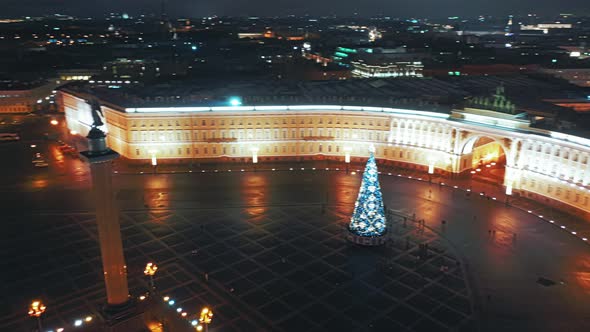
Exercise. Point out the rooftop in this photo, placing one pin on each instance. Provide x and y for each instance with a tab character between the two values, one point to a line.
432	94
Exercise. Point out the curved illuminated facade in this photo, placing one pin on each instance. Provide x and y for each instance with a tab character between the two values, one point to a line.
538	162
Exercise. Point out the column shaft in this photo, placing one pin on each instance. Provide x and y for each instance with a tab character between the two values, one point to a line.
109	233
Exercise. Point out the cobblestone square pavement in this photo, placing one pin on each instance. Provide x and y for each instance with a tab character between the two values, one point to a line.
260	269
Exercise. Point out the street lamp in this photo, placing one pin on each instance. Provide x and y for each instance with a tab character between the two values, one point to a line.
254	155
54	122
347	150
36	309
150	270
206	316
154	159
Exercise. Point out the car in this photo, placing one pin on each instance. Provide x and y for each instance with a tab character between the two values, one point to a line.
41	164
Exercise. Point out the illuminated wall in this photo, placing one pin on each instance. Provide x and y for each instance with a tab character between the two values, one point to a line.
538	162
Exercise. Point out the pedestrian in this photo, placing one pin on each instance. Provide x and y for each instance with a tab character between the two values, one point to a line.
494	232
206	276
283	260
489	232
514	237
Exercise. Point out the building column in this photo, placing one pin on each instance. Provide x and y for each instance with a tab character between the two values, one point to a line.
109	231
109	234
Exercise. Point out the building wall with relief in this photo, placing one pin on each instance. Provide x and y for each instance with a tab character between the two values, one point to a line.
539	164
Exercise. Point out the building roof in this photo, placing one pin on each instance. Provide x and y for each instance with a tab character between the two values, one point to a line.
432	94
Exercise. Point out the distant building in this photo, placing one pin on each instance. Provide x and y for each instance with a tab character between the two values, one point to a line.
24	98
577	76
383	63
395	69
134	69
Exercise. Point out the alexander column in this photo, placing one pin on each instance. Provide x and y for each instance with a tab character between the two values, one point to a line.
120	311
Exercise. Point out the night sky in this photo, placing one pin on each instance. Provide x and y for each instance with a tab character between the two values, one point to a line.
394	8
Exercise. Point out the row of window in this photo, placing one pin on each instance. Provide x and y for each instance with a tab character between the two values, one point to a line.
555	191
299	120
276	149
557	152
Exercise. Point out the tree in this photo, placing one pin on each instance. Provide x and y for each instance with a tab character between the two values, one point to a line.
368	218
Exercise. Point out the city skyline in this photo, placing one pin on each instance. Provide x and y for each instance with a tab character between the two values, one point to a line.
188	8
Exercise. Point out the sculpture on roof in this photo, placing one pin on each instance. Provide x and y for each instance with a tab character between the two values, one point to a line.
497	102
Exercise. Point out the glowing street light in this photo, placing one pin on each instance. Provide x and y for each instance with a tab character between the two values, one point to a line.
73	132
54	122
150	270
206	317
154	159
347	150
254	155
36	309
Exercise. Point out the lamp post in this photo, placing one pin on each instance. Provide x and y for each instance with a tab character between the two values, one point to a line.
206	317
154	159
347	150
254	151
150	270
36	309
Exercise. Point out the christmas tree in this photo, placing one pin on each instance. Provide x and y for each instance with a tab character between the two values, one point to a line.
368	218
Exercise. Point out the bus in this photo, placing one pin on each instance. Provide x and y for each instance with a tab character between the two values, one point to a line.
9	137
